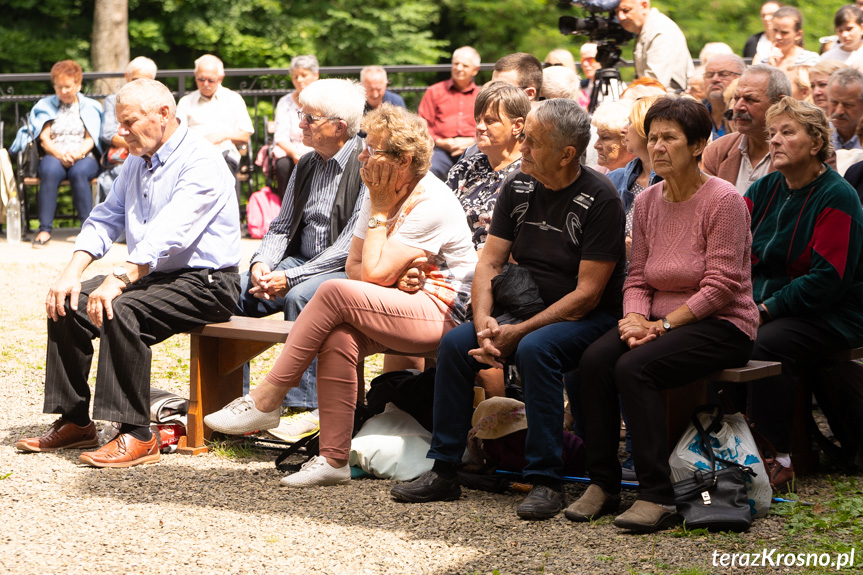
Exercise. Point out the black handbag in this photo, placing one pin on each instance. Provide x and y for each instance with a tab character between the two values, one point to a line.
30	160
711	499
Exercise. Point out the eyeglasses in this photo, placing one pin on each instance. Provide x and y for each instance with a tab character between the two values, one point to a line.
206	80
312	119
373	152
724	74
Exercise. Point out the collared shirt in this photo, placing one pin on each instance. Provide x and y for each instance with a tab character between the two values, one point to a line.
717	131
179	209
448	111
840	144
748	174
661	52
224	112
315	238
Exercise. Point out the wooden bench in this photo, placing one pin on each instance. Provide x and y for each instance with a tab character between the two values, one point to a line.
217	353
35	182
680	402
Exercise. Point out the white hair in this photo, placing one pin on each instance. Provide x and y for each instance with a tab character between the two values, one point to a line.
561	56
372	70
560	82
144	65
612	115
149	94
712	49
470	52
212	60
306	62
337	98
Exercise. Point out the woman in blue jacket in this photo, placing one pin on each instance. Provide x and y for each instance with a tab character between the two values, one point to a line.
67	126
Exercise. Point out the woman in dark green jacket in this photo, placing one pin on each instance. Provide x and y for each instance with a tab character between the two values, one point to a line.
807	267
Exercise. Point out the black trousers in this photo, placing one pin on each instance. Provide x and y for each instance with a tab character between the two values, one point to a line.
800	344
609	368
146	313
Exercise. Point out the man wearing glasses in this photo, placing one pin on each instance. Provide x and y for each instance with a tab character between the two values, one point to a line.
308	242
719	72
217	113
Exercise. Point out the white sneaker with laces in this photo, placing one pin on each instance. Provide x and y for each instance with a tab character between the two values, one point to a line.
316	471
297	426
241	416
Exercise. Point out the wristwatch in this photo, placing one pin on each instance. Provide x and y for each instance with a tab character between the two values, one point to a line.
376	223
666	325
120	274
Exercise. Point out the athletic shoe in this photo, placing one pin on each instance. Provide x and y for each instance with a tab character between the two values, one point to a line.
316	471
241	416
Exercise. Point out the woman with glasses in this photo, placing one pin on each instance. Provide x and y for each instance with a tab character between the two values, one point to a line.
288	138
407	214
499	112
67	126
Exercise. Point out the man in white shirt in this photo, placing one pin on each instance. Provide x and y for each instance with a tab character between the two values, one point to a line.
660	48
217	113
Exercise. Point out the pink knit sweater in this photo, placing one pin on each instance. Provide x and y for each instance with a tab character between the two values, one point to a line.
695	252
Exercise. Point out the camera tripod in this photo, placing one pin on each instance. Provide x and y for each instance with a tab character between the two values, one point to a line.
607	85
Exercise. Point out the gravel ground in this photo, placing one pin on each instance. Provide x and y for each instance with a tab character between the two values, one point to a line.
216	514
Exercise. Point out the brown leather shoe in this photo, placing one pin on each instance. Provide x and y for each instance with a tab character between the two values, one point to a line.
62	435
123	451
779	475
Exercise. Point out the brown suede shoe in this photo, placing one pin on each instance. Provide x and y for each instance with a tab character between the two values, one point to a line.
61	435
779	475
646	517
594	503
123	451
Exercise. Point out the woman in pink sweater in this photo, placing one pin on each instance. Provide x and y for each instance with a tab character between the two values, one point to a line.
687	311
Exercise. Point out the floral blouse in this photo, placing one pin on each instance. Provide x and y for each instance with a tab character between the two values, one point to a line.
477	186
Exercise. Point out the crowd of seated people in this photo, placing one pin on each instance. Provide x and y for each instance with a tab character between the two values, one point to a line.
662	258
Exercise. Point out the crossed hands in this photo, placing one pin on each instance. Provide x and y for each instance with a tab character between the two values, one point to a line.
99	302
636	330
496	342
267	284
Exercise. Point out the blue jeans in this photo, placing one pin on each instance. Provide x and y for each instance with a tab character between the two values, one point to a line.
306	394
542	358
51	173
441	163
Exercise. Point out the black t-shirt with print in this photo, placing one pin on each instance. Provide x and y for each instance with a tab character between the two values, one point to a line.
552	231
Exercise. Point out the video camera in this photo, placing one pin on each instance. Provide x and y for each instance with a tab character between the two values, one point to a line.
606	31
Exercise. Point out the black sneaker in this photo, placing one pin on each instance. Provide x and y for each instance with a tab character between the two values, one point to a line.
541	503
427	487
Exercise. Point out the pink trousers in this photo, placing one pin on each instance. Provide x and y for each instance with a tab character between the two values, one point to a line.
344	322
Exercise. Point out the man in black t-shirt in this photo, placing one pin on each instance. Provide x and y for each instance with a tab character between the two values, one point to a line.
564	223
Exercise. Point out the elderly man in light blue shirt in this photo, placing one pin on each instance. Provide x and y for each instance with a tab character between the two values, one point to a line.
175	199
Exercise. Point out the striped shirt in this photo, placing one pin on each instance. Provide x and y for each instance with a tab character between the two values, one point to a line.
315	237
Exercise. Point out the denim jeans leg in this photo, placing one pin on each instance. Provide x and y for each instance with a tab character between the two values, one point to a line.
306	394
250	306
453	393
542	357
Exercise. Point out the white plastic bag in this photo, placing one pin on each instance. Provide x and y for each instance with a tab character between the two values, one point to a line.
733	442
392	445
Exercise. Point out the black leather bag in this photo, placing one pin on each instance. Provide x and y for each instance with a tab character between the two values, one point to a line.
711	499
30	160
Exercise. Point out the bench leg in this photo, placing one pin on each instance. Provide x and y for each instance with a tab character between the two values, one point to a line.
216	368
680	402
803	456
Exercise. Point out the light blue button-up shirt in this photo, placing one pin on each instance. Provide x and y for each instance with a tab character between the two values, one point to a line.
179	209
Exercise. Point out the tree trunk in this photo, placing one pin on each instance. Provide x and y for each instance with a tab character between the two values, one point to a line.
110	48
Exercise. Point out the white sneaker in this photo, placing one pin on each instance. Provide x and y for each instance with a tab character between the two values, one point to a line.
316	471
296	426
241	416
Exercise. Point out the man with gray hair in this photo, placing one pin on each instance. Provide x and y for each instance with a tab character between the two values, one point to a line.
374	80
308	242
217	113
719	72
175	199
114	144
448	108
742	157
845	101
564	224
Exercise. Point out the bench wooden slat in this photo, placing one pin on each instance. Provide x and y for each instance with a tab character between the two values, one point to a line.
752	371
848	354
248	329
